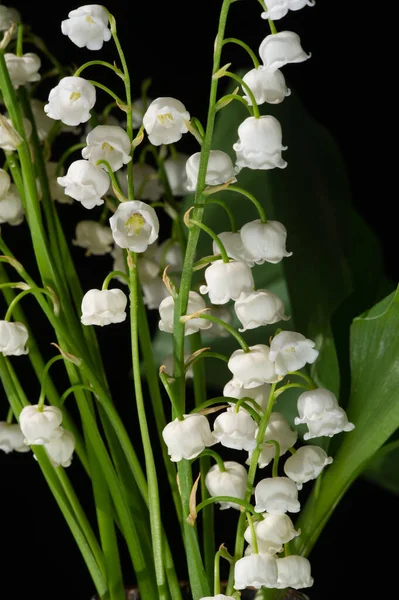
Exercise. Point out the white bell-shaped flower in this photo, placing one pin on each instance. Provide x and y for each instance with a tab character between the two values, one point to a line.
134	225
60	449
331	424
223	312
40	426
219	170
291	351
11	207
234	247
147	185
252	368
315	405
71	101
23	69
175	168
259	308
281	48
293	572
154	292
110	143
12	438
259	144
256	570
8	16
259	393
13	337
86	183
195	304
231	482
265	242
164	121
306	464
276	495
277	429
235	429
227	281
87	26
96	238
271	533
103	307
139	106
10	138
277	9
188	438
266	86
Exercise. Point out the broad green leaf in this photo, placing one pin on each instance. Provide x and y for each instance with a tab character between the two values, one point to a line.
373	408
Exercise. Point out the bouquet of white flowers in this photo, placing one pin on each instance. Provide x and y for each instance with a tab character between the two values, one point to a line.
237	407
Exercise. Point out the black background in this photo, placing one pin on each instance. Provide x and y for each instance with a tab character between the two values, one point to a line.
172	44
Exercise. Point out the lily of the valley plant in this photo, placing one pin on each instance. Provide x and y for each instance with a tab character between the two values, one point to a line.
128	163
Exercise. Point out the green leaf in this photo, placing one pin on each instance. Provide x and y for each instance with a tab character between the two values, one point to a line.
373	408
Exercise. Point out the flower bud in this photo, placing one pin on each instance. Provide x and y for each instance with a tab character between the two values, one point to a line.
195	304
277	9
188	438
12	438
293	572
86	183
306	464
102	307
231	482
235	429
134	225
276	495
219	170
259	144
40	426
266	86
71	101
252	368
164	121
272	532
60	449
227	281
277	429
110	143
256	570
13	337
93	236
259	308
291	351
281	48
265	241
87	26
22	69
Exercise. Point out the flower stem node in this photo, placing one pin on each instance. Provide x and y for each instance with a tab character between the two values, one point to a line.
227	281
266	86
253	368
294	572
291	351
195	304
306	464
256	570
164	121
103	307
187	438
220	169
277	9
265	242
134	225
13	338
276	495
71	101
86	183
271	533
281	48
40	425
259	144
87	26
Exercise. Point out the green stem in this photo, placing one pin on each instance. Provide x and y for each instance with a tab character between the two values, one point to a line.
218	459
248	90
251	197
97	62
107	90
276	456
67	154
216	574
153	490
112	176
227	98
72	389
308	379
289	386
248	507
255	549
213	235
251	53
20	40
224	205
44	377
228	328
114	275
168	388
